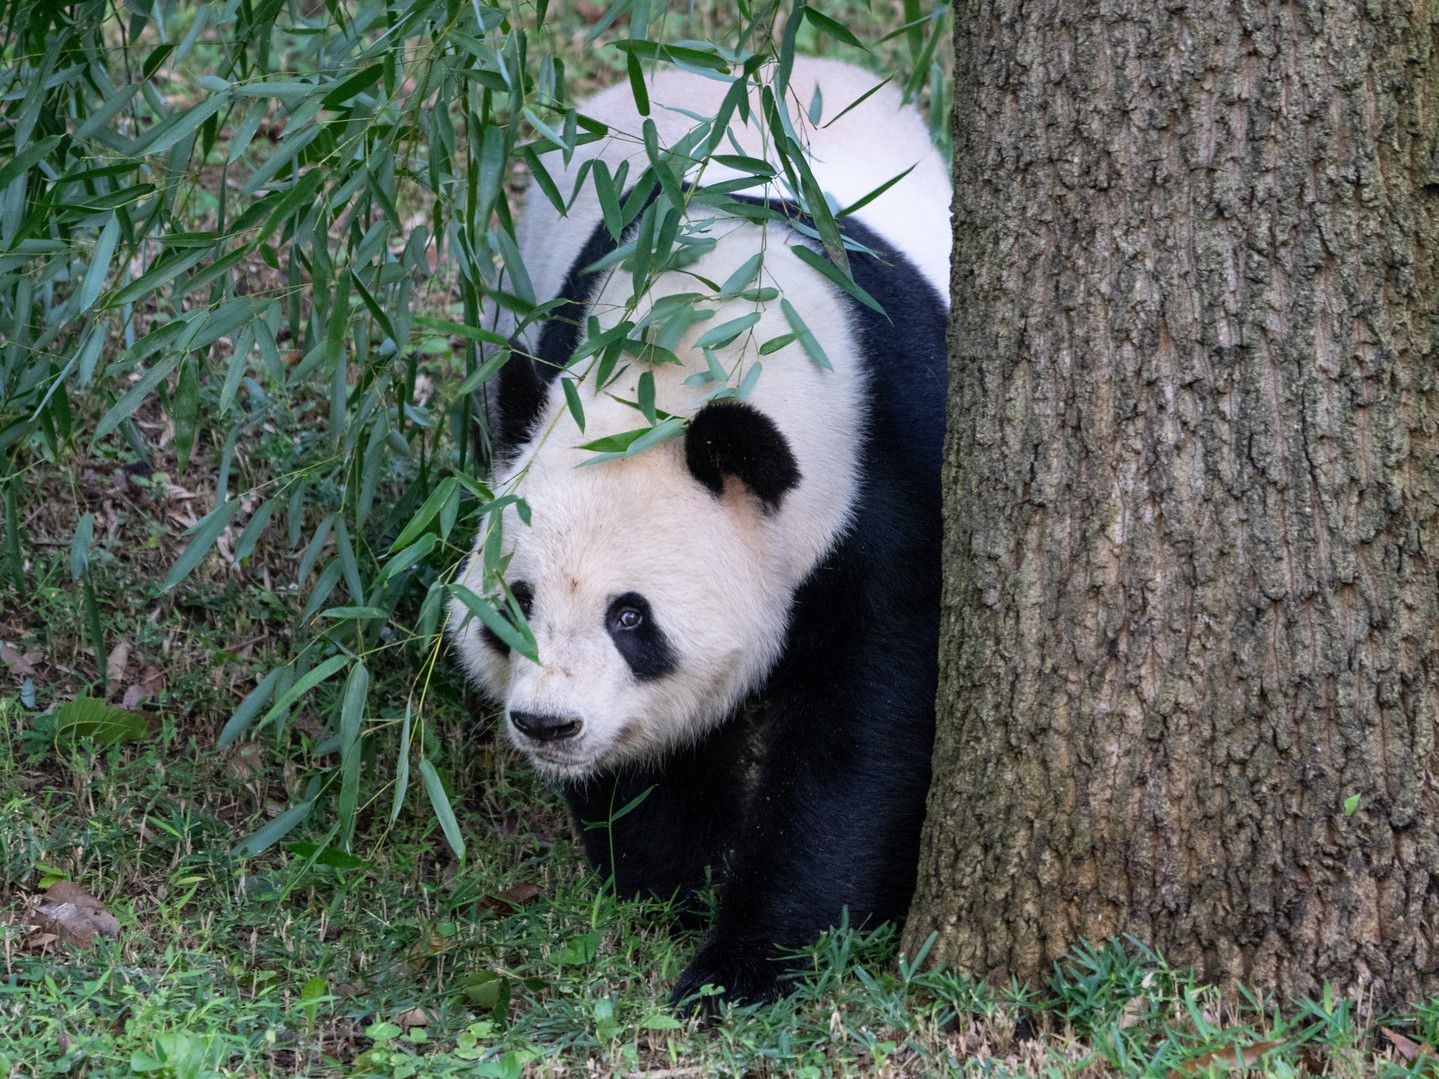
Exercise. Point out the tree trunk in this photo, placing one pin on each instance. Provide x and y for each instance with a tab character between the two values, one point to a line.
1193	493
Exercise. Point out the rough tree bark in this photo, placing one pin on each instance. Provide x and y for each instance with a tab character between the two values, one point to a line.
1193	493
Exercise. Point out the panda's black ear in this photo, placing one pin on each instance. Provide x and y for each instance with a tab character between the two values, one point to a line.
731	438
520	394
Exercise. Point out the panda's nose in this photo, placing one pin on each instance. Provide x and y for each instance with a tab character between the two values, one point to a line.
544	728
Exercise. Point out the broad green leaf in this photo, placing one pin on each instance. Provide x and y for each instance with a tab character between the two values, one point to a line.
91	717
336	859
80	546
834	29
445	490
402	766
807	339
740	280
122	409
573	402
865	200
616	443
459	329
352	86
25	160
645	396
726	332
638	90
185	411
181	126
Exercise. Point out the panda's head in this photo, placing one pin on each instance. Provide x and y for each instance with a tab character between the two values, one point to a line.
654	586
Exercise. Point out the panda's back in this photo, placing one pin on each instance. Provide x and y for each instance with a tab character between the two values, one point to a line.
851	156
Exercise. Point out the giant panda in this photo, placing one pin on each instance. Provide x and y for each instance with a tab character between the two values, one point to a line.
737	629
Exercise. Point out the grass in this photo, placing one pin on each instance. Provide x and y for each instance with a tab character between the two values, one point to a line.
396	957
399	960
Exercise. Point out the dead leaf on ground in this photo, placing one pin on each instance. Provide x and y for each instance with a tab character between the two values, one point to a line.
1407	1048
1135	1011
151	682
246	761
1230	1058
115	664
512	898
21	663
412	1017
74	915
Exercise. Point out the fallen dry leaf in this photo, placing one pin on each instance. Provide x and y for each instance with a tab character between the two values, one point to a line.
246	761
74	914
115	664
151	682
512	898
1230	1058
1407	1048
1135	1011
23	664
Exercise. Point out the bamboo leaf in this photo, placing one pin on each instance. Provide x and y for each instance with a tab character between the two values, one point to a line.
444	812
517	637
573	402
25	160
274	831
250	707
309	681
835	274
206	533
352	711
726	332
99	268
402	766
834	29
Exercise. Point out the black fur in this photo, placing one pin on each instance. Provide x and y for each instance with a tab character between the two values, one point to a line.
842	731
524	378
731	438
525	597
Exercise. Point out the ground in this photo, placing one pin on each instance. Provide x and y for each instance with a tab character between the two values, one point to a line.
137	936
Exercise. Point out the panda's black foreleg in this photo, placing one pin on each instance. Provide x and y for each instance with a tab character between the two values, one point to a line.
661	830
833	830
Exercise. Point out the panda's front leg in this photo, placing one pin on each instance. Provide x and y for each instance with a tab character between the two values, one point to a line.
659	830
832	833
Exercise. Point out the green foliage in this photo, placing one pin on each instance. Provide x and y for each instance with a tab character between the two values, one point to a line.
236	224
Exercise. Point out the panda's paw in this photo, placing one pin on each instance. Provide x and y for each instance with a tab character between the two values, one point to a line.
732	977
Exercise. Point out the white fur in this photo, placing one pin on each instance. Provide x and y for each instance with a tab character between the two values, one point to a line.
718	572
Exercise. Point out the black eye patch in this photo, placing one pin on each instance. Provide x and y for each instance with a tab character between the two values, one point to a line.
638	637
525	597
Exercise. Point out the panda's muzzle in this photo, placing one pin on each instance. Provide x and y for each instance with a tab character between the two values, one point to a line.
545	728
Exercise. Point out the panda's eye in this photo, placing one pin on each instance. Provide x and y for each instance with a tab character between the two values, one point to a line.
524	596
638	637
627	619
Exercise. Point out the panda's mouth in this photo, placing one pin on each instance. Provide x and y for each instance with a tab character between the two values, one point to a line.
564	763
